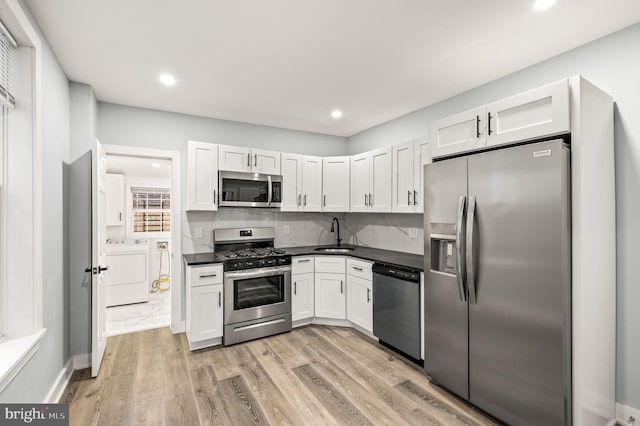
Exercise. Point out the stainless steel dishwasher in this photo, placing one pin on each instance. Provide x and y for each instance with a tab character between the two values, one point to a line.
396	307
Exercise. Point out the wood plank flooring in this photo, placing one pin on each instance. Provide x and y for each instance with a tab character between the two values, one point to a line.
314	375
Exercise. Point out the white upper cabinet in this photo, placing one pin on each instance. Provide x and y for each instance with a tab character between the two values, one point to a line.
291	182
302	183
421	158
115	196
241	159
539	112
202	176
530	115
408	161
311	183
458	133
371	181
335	184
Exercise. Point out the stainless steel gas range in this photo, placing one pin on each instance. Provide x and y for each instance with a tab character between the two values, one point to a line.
257	284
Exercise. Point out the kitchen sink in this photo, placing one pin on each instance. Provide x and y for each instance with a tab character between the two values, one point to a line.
334	249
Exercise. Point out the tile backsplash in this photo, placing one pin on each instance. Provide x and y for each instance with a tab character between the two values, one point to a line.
388	231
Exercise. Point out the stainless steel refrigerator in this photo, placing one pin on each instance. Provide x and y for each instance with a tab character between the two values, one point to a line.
498	281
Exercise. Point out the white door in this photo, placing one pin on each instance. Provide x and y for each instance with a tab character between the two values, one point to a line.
421	158
291	182
265	162
360	182
330	296
543	111
335	184
402	190
98	258
202	176
206	312
234	158
458	133
302	299
380	180
360	304
312	183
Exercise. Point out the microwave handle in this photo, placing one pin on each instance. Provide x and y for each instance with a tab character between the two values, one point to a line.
269	190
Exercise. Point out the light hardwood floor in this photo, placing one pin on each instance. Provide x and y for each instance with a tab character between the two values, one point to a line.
314	375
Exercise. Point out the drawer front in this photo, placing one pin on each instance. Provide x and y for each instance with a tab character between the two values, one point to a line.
302	265
360	268
204	275
330	264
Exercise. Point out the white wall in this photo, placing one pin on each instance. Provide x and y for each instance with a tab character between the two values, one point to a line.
613	64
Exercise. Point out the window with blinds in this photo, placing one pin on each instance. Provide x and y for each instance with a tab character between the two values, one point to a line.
151	209
7	45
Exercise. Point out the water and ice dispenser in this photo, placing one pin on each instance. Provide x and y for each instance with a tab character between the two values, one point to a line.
443	247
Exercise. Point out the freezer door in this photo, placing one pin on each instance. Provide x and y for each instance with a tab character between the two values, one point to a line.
519	321
446	312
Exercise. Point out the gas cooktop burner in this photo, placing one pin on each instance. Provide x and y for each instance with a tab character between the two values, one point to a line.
250	253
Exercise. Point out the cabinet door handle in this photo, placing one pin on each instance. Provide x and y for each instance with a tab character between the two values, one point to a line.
415	197
299	199
215	197
370	199
368	295
220	300
408	198
120	216
489	124
477	126
304	260
305	200
248	160
208	275
295	287
365	200
341	286
357	269
255	160
324	199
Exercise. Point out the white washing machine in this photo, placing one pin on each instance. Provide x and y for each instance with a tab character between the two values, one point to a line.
127	279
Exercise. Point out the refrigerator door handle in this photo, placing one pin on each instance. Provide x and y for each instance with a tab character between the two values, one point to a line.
460	266
471	278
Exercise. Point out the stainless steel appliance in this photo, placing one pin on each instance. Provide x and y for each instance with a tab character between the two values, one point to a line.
396	307
497	281
257	284
250	190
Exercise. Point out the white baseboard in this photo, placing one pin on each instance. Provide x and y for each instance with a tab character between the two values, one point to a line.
81	361
624	412
60	384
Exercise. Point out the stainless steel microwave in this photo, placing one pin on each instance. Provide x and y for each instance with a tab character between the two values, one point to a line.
250	190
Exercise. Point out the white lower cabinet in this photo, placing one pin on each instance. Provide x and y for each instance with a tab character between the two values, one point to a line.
205	298
302	297
360	302
330	296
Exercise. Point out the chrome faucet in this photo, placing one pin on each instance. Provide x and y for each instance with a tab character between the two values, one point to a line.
338	239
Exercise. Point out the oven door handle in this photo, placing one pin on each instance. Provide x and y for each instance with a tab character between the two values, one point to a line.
269	190
263	272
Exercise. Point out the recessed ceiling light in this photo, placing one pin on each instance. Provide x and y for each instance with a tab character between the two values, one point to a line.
336	113
155	165
543	4
167	79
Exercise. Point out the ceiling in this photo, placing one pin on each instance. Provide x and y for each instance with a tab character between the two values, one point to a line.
139	167
289	63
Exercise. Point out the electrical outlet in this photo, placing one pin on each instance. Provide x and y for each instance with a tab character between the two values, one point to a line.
413	232
287	230
199	233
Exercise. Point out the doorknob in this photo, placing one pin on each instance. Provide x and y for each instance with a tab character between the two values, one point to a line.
102	268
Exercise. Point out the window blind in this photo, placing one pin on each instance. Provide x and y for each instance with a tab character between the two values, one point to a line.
151	209
7	46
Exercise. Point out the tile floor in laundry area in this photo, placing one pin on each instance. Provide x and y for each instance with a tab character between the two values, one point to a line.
140	316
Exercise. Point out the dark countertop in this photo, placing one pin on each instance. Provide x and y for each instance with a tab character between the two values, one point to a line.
388	257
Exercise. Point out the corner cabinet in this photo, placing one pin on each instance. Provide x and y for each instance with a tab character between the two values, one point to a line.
204	313
330	287
408	160
240	159
543	111
202	176
302	183
371	181
335	184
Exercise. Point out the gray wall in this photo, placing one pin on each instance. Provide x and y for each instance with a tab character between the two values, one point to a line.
123	125
613	64
37	377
